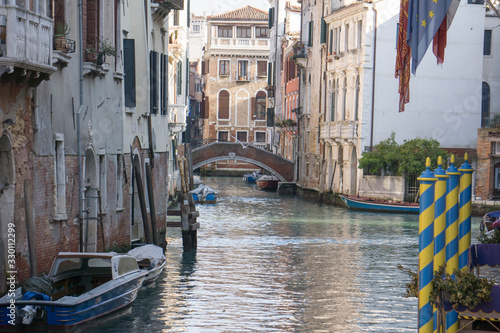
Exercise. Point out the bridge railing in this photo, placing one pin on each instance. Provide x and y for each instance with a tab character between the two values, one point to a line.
197	143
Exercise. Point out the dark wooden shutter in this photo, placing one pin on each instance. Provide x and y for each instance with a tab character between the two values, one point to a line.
270	117
129	70
153	77
254	108
179	78
206	107
330	47
270	74
224	104
164	84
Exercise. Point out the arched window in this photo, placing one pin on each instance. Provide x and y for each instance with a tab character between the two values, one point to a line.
224	104
485	105
260	105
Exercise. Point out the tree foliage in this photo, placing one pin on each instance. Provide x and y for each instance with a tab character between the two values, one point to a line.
393	159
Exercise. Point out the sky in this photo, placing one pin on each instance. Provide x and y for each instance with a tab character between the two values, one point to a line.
212	7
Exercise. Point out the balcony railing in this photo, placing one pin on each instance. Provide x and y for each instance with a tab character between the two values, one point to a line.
347	130
26	39
177	118
238	43
171	4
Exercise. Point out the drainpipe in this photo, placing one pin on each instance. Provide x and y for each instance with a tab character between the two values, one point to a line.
373	75
78	136
275	72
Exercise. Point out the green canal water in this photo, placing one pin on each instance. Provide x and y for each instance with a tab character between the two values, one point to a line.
279	264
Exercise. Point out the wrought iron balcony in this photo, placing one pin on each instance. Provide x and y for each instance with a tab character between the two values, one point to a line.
26	43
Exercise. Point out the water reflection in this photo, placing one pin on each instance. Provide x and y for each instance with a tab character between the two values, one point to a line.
271	264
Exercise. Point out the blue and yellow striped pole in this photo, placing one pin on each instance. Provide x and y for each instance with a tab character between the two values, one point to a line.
452	235
464	215
426	249
439	227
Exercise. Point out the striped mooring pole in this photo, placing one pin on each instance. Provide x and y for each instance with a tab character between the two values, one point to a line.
426	249
452	234
464	215
439	229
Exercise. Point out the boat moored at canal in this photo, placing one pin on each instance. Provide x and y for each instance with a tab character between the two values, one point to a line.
80	287
373	205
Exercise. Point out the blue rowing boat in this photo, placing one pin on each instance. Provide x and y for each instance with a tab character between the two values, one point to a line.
373	205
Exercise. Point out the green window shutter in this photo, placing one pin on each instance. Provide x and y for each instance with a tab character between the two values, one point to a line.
129	70
270	117
271	17
179	78
270	74
323	31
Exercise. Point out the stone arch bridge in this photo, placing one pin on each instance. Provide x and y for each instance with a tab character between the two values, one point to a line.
221	151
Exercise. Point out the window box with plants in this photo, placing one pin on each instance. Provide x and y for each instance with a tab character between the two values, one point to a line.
61	32
98	56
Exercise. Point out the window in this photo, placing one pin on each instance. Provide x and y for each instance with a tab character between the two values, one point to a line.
196	28
356	99
224	68
485	105
261	32
330	47
164	84
119	181
129	70
153	77
271	17
260	136
242	136
223	136
102	180
225	32
224	104
344	99
243	32
487	42
91	34
176	18
261	68
60	177
347	37
179	78
310	40
332	106
243	69
260	106
360	34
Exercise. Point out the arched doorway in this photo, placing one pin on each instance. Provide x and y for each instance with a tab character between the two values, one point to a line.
7	194
90	197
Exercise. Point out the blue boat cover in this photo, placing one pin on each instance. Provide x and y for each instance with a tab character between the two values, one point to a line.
481	255
495	214
484	254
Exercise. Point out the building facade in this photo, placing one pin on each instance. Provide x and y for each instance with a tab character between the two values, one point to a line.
235	68
87	138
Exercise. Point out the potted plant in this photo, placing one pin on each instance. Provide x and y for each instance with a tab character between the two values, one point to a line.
61	30
105	48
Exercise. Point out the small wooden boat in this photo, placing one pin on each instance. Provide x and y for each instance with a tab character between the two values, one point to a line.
151	259
80	287
368	204
204	194
267	182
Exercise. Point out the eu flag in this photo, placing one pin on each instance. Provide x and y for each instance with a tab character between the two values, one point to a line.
424	19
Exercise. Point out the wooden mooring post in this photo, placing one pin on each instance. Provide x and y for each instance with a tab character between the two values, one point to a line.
187	212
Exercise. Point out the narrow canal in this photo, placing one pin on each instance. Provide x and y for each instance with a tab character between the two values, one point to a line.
278	264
